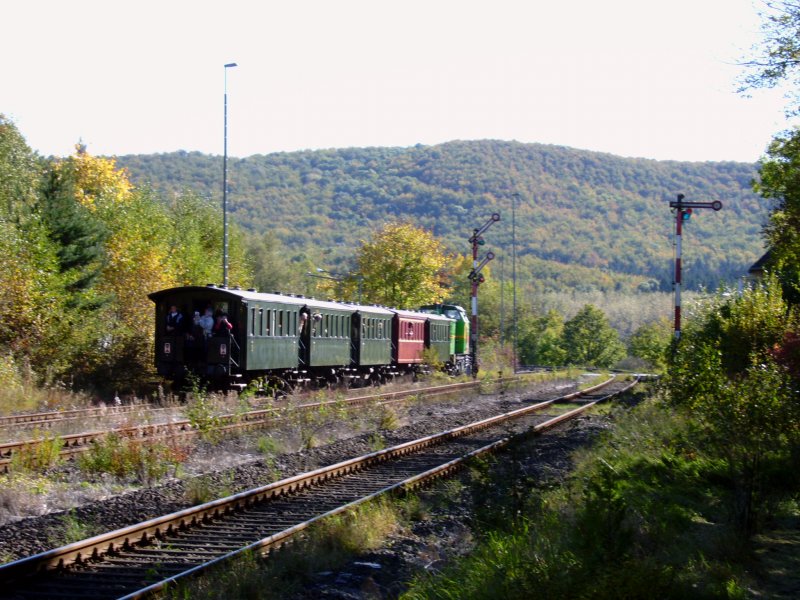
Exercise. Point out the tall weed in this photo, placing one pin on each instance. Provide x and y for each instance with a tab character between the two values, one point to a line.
142	461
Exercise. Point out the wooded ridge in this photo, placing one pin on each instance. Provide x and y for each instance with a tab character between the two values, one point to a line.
584	220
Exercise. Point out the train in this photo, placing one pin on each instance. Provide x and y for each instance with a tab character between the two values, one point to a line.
231	337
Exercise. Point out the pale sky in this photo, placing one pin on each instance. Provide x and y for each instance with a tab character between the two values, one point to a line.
640	78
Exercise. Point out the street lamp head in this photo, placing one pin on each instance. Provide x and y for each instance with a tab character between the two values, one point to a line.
231	65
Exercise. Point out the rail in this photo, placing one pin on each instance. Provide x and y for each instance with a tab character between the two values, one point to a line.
77	562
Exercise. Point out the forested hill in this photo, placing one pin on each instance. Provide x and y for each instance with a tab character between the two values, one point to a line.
583	219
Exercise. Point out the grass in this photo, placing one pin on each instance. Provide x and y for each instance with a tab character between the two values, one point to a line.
639	518
71	529
38	455
144	462
376	442
387	419
202	489
327	545
23	494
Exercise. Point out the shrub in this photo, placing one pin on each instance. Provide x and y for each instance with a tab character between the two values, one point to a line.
38	455
143	461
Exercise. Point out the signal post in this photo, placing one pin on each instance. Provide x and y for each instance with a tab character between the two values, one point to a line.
683	212
476	278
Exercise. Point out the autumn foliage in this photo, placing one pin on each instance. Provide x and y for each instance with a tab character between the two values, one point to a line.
82	247
402	266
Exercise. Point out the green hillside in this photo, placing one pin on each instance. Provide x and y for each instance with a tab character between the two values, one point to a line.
585	220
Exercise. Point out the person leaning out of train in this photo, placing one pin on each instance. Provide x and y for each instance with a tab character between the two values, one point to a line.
222	326
207	321
195	337
174	321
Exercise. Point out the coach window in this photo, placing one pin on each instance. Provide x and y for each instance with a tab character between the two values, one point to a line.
253	321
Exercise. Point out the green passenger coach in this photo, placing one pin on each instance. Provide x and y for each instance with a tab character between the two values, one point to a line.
231	337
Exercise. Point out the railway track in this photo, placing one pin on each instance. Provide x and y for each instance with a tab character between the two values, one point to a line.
76	443
49	418
141	559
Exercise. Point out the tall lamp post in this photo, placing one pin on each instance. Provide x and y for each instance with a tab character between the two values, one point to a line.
225	179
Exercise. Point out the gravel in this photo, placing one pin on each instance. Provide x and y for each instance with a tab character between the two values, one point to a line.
428	546
234	465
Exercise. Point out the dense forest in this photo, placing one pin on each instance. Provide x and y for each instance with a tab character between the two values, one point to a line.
584	220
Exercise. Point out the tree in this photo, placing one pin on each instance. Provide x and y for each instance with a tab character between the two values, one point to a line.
196	244
724	371
273	270
30	299
650	342
76	231
780	181
19	172
540	340
777	61
726	336
402	266
777	56
589	339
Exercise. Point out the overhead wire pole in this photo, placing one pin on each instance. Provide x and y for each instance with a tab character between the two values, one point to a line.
225	177
683	212
476	278
502	302
514	199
